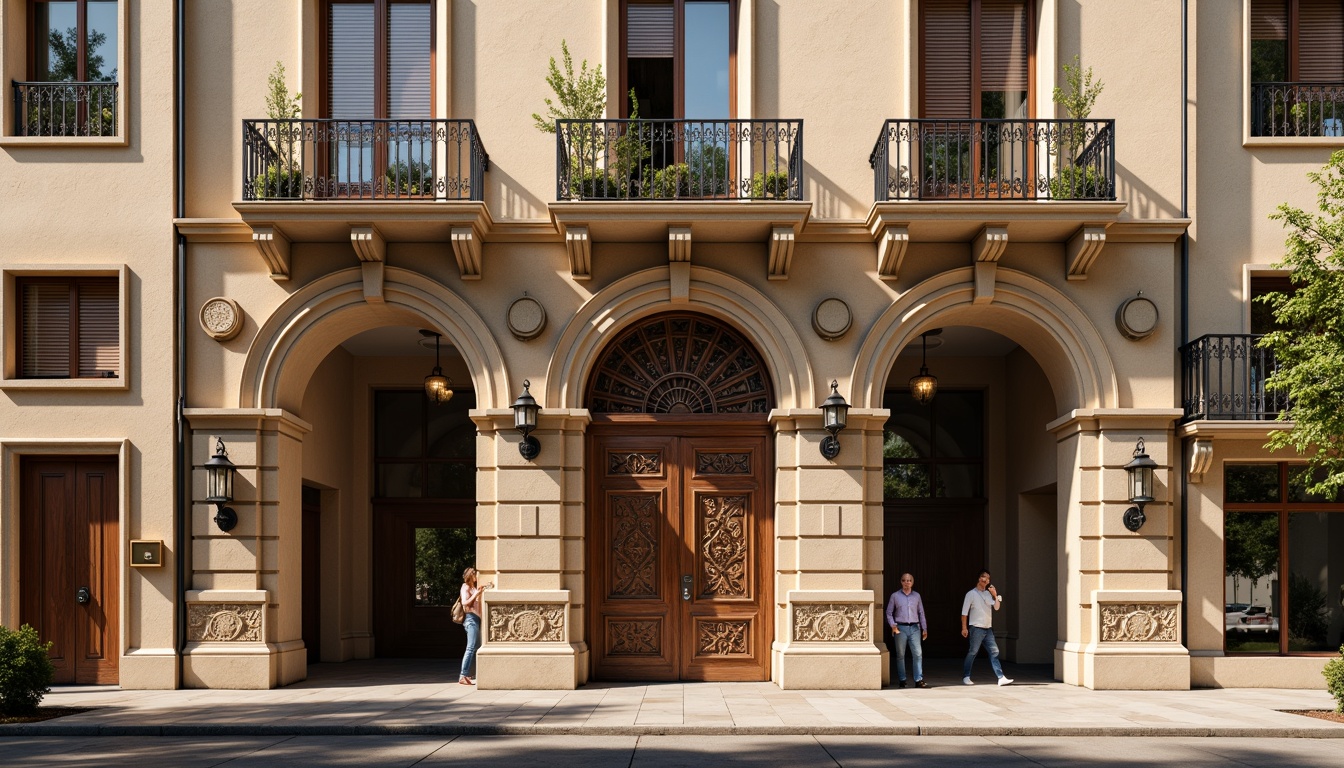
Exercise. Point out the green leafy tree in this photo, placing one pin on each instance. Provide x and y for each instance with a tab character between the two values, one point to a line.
1080	93
441	555
279	104
1308	347
577	97
64	47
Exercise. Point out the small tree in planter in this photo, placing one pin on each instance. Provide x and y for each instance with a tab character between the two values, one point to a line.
282	177
1334	679
581	96
1076	181
26	671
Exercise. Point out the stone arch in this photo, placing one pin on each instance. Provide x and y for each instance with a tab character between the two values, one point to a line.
304	329
1039	317
712	293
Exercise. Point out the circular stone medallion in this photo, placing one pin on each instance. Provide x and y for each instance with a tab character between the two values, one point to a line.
528	625
831	319
221	318
1136	318
527	318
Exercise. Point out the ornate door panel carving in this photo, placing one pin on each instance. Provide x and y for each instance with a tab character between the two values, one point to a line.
669	507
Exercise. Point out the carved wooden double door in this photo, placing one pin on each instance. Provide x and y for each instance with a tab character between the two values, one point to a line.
679	550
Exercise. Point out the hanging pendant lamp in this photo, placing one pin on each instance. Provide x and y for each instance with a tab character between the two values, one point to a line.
924	386
438	388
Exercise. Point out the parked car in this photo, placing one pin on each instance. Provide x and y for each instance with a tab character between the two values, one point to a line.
1251	618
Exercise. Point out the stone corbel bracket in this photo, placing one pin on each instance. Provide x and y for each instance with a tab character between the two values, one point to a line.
579	246
892	242
273	246
467	250
781	252
679	264
1083	249
371	248
1201	459
986	250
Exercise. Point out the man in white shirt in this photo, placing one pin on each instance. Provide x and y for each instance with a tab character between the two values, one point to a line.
977	610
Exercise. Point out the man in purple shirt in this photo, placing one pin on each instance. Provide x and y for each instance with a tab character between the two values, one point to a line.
905	616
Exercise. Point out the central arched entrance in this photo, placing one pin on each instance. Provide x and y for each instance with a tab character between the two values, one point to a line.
679	500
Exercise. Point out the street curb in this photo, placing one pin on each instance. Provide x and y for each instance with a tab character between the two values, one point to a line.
451	729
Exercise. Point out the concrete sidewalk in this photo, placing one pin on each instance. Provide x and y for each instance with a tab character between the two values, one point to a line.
418	697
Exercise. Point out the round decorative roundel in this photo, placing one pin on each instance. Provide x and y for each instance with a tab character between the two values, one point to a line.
221	318
1136	318
679	363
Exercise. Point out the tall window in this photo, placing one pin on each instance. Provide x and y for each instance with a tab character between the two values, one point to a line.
679	58
1283	562
976	59
68	328
423	451
74	41
933	451
1297	68
379	72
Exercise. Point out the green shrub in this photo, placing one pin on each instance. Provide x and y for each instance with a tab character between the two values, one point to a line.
1079	183
1334	679
277	182
26	671
413	179
773	185
673	181
596	183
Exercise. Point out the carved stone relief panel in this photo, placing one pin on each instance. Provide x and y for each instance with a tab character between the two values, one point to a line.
723	545
634	463
527	623
634	637
831	622
635	522
1138	623
224	622
723	637
722	463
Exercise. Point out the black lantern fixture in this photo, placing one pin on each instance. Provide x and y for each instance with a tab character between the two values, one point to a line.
924	386
438	388
525	411
219	486
1140	470
834	413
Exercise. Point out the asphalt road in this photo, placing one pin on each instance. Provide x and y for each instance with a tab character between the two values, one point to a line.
666	751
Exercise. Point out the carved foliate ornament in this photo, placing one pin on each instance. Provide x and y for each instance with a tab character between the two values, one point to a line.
221	318
831	622
1138	623
722	463
634	546
527	623
634	637
723	545
722	638
224	623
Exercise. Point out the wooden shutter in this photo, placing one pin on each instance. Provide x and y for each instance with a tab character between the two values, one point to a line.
649	31
99	342
1269	20
1320	41
946	47
350	68
46	330
1003	41
408	61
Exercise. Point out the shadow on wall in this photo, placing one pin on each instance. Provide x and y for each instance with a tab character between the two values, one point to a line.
1144	202
828	198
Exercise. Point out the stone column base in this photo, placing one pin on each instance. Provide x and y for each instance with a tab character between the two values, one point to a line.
226	646
525	642
830	642
1136	642
529	666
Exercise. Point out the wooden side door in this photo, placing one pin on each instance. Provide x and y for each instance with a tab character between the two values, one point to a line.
413	616
943	547
634	556
726	624
69	562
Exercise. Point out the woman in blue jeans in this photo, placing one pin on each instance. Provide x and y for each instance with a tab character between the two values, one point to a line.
471	604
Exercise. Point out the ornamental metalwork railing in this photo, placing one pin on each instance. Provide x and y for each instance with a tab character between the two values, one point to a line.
1297	109
679	159
1224	378
930	159
65	109
363	160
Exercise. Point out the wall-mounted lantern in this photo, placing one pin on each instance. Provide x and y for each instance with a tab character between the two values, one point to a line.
1140	470
219	473
525	411
834	414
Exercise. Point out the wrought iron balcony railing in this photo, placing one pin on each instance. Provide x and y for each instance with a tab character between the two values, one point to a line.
1224	378
65	109
679	159
932	159
1297	109
363	160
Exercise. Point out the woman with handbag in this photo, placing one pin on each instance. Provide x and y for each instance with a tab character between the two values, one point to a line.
470	600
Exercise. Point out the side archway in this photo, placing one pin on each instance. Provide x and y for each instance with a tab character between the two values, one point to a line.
1043	320
321	315
712	293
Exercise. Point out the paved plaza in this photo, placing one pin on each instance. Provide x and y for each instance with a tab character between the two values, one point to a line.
422	698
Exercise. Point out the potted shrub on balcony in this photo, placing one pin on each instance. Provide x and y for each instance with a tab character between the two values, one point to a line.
409	180
770	185
1076	179
282	178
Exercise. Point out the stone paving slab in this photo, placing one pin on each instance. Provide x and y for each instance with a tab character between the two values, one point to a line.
422	698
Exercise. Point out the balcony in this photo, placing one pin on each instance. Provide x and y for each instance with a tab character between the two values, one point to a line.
366	183
1297	109
994	160
1224	379
65	109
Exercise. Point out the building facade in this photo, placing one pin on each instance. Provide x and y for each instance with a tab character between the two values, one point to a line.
679	286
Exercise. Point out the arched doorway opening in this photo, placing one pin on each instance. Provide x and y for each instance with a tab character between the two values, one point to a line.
679	503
